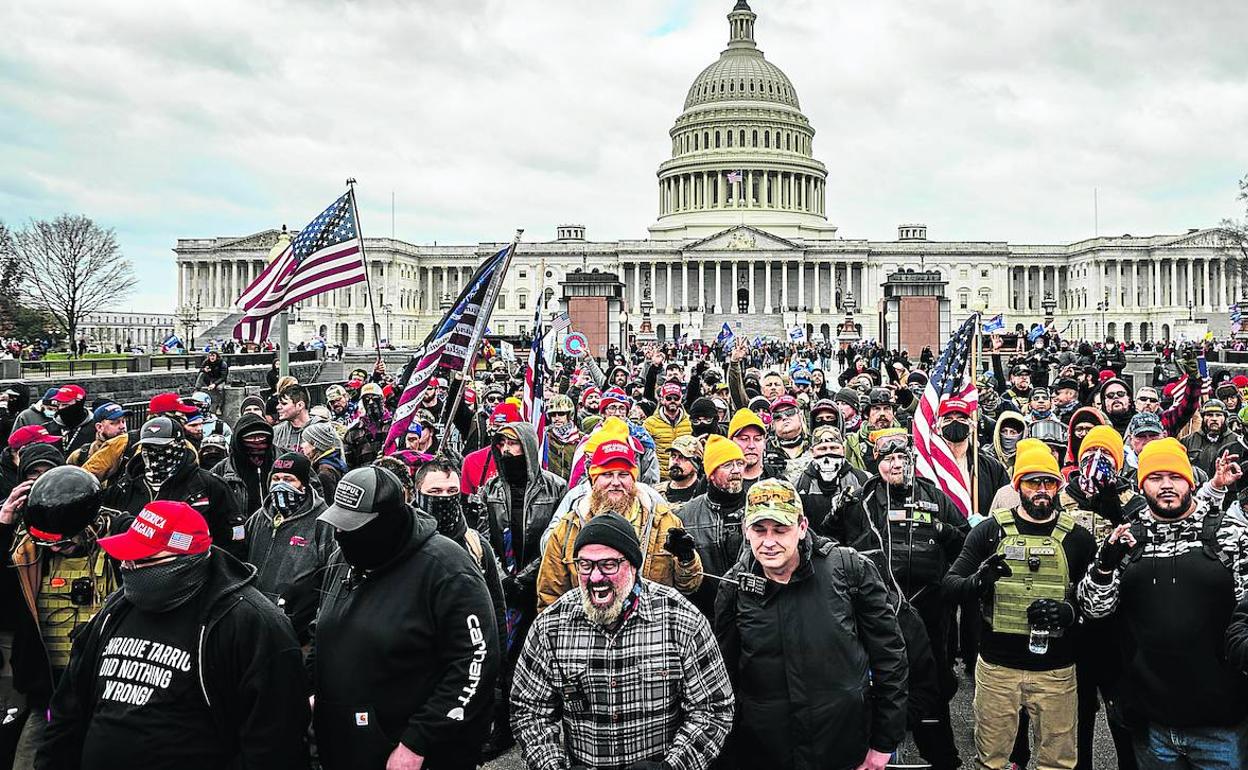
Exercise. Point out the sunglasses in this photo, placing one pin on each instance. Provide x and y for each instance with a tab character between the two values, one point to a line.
1035	485
1143	399
673	399
1118	394
784	414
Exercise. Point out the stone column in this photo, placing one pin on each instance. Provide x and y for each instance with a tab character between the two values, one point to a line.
667	308
637	288
684	285
749	282
767	306
784	286
801	285
718	296
1204	271
1189	291
1027	288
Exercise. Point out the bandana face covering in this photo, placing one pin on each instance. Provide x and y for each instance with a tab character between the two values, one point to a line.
828	466
164	587
372	408
1096	472
446	510
286	497
160	462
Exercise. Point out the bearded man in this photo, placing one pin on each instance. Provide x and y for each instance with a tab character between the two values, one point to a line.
670	555
612	639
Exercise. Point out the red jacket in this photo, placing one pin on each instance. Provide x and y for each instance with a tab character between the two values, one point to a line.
478	469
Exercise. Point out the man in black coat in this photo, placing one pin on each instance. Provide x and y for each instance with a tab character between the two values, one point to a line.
412	609
810	691
188	666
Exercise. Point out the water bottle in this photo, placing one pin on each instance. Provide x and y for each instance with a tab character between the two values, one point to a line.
1038	643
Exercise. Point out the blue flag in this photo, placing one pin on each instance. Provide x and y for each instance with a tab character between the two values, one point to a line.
1037	332
725	335
994	324
172	342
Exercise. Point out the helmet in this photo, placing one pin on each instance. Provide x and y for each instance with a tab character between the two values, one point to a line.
62	503
1048	431
201	399
881	397
559	403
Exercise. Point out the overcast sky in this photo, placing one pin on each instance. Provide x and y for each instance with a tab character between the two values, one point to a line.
988	120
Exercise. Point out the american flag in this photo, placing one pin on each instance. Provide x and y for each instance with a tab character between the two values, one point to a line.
561	322
534	383
450	347
933	458
735	177
326	255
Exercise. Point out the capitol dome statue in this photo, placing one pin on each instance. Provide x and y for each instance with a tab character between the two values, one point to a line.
742	150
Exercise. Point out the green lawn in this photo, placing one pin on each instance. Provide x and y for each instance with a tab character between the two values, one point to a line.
87	357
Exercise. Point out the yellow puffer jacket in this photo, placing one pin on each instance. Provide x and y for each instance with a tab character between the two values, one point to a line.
664	433
557	575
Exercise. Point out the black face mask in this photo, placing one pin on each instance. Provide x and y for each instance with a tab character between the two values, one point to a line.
705	428
373	408
447	510
73	414
164	587
208	458
956	432
513	468
286	498
377	542
160	462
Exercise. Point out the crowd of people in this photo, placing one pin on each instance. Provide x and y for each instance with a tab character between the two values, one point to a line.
688	558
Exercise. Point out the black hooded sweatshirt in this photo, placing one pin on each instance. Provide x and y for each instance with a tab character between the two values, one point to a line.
231	658
405	652
249	483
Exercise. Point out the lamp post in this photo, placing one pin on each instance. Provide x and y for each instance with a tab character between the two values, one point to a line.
189	315
1103	306
1191	316
386	308
1049	305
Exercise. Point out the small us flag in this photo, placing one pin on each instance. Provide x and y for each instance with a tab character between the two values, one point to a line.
179	541
735	177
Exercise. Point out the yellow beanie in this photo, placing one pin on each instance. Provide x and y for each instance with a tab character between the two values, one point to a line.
744	418
719	450
1165	454
612	428
1034	456
1104	437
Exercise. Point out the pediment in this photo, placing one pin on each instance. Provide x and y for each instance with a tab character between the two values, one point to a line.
263	241
1213	237
743	238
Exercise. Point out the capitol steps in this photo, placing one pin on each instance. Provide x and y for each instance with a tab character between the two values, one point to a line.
223	329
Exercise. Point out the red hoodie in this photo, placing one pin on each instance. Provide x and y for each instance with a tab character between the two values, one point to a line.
478	469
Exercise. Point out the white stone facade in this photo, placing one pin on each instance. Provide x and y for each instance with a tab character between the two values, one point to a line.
742	236
108	330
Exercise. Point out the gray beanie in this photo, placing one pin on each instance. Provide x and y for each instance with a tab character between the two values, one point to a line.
322	435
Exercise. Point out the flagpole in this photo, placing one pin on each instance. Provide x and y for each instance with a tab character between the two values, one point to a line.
975	423
487	309
368	280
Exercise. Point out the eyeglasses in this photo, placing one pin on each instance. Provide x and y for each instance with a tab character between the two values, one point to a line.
1035	485
1116	395
607	567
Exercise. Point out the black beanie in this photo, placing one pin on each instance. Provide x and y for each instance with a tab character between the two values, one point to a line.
296	465
251	401
703	407
614	531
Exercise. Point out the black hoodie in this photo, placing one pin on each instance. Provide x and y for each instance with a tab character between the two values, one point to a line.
247	670
250	484
405	652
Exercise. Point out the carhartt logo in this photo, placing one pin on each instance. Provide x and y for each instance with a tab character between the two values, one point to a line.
348	495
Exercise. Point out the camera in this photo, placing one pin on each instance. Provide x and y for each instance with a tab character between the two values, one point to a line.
82	592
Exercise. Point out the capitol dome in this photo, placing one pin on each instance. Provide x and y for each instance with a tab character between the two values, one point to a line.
742	150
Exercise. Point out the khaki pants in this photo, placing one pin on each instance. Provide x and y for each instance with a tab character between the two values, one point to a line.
1051	702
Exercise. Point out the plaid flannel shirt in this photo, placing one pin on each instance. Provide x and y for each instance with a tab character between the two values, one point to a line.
655	689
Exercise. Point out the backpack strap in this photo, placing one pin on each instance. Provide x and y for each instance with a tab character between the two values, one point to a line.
1209	539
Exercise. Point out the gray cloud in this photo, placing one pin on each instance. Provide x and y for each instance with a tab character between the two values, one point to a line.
986	120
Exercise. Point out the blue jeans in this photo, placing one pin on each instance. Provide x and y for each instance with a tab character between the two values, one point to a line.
1198	748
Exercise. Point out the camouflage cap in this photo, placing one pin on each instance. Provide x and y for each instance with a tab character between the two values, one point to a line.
773	499
687	446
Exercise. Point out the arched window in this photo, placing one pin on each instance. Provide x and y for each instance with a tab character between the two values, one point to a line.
754	138
717	138
731	86
766	139
743	137
729	138
788	141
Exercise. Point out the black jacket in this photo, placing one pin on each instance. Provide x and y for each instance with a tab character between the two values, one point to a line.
290	558
900	557
818	664
820	499
410	650
714	521
190	484
251	676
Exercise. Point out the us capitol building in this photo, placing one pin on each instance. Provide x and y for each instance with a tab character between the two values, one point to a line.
742	236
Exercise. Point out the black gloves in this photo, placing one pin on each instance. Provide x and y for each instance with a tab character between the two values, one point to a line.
993	569
1050	614
1111	554
511	589
680	544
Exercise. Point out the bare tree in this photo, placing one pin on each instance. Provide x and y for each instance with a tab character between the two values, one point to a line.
72	267
1235	233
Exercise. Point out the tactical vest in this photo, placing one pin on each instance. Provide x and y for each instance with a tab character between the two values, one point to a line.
60	616
1040	571
915	557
